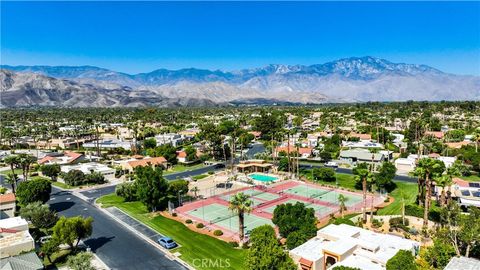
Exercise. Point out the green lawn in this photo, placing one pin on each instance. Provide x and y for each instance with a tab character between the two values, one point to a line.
344	180
181	168
409	190
194	246
199	177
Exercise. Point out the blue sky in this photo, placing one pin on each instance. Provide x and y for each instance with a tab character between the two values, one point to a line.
139	37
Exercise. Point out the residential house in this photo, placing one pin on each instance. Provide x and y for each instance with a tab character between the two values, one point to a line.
14	237
361	136
7	205
350	246
304	152
362	144
129	165
436	134
405	165
24	261
110	144
67	157
355	156
169	138
91	167
462	263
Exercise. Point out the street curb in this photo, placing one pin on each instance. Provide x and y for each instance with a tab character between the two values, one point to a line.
153	243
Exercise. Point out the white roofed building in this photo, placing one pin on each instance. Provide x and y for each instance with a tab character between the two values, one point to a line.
350	246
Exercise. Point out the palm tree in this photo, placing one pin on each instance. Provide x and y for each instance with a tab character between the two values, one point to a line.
342	200
13	161
240	204
428	169
25	161
476	138
403	197
365	176
12	179
195	190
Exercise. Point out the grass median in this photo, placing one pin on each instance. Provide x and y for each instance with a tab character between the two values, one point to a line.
195	247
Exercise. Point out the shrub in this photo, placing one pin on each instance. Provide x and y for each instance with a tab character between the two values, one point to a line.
188	221
417	211
233	244
174	214
218	233
376	223
211	172
127	191
200	225
397	223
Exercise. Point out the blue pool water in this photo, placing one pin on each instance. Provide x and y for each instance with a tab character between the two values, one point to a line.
262	177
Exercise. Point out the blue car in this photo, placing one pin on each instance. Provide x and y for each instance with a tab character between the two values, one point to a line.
167	242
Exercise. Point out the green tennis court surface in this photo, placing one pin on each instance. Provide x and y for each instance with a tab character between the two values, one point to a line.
319	209
326	195
255	194
220	215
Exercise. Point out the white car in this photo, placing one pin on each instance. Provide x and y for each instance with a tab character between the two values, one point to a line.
331	164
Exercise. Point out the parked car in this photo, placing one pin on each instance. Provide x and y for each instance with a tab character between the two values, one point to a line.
331	164
167	242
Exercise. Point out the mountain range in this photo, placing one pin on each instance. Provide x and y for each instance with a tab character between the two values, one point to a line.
355	79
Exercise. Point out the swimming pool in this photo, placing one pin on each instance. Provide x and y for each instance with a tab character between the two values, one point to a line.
262	177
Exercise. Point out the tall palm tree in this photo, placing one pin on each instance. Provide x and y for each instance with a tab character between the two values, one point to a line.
366	177
341	201
25	161
476	138
403	196
240	204
428	169
13	161
12	179
195	191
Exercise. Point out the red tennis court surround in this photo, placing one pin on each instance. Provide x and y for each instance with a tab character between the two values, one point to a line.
214	213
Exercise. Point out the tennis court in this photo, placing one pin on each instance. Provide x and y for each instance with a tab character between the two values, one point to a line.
257	196
327	195
220	215
320	210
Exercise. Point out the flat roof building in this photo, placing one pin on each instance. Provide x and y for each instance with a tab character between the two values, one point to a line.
350	246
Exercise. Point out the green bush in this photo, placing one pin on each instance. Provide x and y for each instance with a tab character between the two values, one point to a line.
127	191
417	211
174	214
376	223
218	233
200	225
188	221
211	172
397	223
233	244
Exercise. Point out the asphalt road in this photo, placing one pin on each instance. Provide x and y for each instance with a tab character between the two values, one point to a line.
99	192
256	148
117	246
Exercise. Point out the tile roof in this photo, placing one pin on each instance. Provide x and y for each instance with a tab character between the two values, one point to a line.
144	162
6	198
26	261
